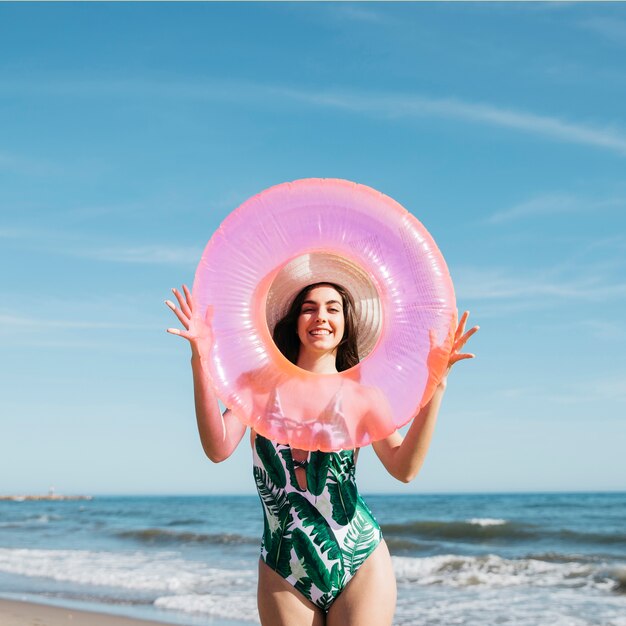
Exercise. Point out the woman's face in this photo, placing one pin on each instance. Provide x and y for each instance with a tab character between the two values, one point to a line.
321	323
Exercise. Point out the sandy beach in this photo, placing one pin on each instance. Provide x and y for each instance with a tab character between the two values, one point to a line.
18	613
14	613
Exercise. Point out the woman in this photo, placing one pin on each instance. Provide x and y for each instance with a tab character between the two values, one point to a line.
319	586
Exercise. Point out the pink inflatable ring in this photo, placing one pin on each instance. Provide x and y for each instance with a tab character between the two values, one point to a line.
401	362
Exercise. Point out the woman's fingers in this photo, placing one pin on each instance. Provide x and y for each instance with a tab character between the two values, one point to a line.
460	339
455	358
461	327
181	301
183	313
183	320
180	333
461	356
459	343
188	297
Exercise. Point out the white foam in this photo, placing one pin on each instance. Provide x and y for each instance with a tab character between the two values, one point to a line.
486	521
494	571
158	571
241	606
477	606
437	590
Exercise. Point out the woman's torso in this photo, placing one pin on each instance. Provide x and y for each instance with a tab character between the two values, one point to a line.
317	531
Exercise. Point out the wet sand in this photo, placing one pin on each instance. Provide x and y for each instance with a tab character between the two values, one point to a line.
18	613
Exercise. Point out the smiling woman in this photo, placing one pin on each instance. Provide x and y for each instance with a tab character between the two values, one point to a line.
323	560
321	324
323	320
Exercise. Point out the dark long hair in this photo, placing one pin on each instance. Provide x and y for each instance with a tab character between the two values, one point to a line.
286	337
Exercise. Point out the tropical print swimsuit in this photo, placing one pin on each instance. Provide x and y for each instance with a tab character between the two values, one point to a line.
315	538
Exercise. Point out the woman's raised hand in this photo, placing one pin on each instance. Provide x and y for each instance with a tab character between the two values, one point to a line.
197	330
460	339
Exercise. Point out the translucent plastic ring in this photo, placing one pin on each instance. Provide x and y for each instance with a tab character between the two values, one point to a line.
415	319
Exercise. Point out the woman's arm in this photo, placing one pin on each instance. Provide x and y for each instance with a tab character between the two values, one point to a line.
403	457
219	434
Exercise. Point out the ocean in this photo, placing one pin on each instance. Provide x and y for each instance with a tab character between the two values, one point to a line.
474	559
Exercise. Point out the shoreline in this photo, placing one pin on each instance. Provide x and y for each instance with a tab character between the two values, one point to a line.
27	613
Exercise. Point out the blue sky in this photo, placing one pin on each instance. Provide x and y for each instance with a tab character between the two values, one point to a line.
129	131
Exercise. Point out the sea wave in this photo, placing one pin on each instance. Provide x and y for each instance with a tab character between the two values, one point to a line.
465	530
565	557
398	545
167	573
31	520
597	538
158	571
487	528
494	571
163	536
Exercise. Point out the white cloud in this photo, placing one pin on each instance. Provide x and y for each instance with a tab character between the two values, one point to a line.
604	330
555	203
406	106
149	254
31	323
14	233
611	387
535	289
73	244
548	204
387	105
611	29
105	310
29	166
359	13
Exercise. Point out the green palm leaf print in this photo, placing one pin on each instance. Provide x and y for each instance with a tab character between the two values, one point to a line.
359	542
275	499
277	522
343	496
310	517
267	534
316	472
315	567
271	461
326	600
281	554
336	576
304	586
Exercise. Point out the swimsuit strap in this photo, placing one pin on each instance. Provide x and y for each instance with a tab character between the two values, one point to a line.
300	463
330	425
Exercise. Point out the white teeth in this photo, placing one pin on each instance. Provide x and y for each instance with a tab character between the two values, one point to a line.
320	332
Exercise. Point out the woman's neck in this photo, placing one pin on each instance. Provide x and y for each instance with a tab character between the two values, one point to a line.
319	364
